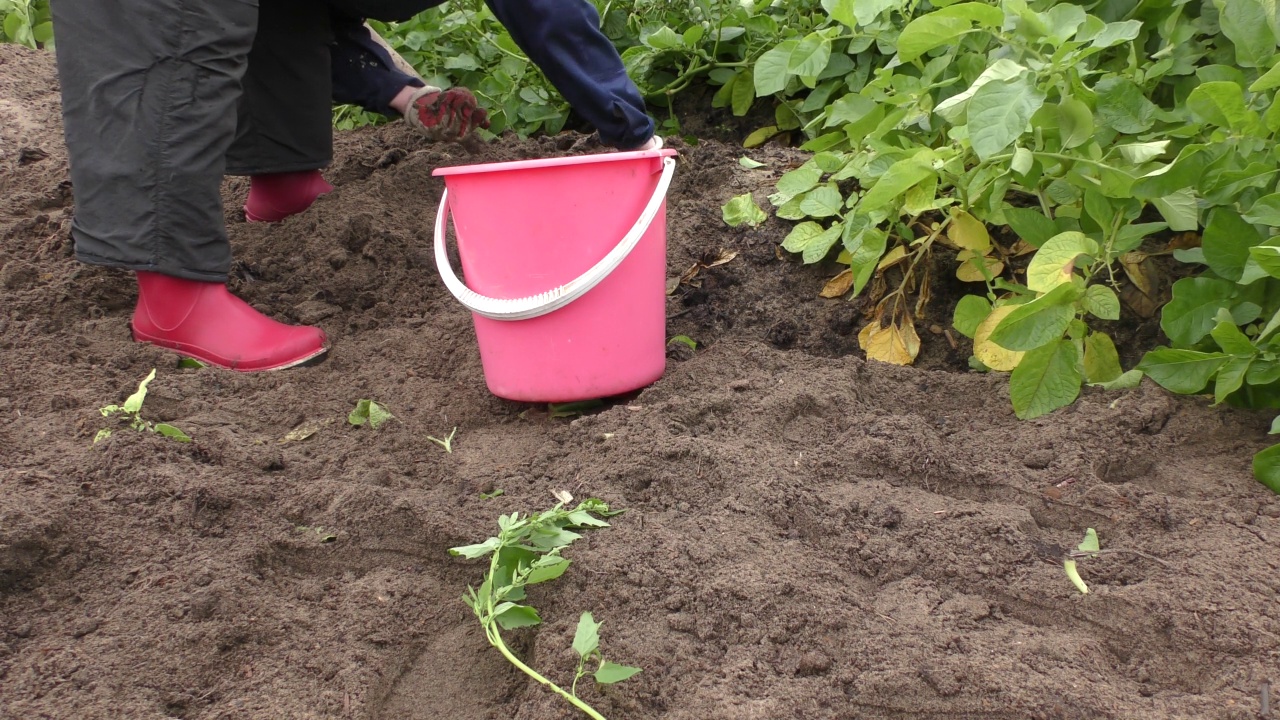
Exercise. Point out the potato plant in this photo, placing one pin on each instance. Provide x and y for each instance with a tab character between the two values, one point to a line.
26	22
131	412
526	551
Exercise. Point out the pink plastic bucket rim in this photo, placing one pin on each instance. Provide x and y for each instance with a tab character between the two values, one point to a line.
552	162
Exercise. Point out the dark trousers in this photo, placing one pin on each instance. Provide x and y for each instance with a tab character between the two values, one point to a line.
308	55
161	98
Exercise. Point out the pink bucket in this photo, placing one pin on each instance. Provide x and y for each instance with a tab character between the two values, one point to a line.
563	309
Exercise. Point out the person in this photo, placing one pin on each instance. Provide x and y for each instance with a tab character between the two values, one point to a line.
161	98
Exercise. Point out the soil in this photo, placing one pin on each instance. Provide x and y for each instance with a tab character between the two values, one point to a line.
808	534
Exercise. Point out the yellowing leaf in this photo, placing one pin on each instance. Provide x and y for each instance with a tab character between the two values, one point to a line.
969	232
1022	247
894	344
302	432
1056	260
893	257
1132	264
971	271
759	137
724	257
838	285
989	353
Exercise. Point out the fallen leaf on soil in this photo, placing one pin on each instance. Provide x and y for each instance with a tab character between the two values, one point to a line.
688	275
838	285
894	344
724	257
991	354
302	432
1139	302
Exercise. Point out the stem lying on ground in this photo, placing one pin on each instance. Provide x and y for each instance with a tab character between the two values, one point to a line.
526	551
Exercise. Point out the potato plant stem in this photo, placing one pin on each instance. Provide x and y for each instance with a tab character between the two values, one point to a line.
490	623
495	639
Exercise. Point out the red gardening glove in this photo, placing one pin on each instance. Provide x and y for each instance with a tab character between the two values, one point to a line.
445	115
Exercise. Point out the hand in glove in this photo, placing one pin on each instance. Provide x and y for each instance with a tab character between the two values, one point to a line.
445	115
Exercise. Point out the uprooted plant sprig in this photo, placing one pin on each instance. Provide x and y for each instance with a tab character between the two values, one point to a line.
131	411
526	551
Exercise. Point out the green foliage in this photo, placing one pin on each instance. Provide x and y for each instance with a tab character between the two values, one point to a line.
527	551
131	411
26	22
684	340
742	210
462	43
586	643
572	409
368	412
667	46
1085	129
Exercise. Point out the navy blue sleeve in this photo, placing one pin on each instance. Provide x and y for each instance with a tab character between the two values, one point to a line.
363	72
563	38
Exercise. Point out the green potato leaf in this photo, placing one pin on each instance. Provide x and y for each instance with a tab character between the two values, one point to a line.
1000	112
1048	378
610	673
1186	372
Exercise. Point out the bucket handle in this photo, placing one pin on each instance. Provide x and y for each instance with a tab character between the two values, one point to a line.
526	308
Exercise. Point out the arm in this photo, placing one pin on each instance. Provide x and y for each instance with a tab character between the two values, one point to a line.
563	38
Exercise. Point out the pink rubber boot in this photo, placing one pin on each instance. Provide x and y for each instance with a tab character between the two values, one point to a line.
274	197
203	320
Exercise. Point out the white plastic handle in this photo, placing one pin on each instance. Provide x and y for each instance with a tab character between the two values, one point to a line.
543	303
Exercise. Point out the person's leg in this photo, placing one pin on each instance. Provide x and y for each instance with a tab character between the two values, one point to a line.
149	93
284	134
285	121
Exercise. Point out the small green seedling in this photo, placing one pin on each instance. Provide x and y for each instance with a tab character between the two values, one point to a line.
491	495
685	339
526	551
446	443
131	410
189	364
370	412
1087	549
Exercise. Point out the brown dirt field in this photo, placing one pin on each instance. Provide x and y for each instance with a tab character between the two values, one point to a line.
809	535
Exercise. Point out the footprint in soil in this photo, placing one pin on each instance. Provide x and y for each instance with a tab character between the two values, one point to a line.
458	676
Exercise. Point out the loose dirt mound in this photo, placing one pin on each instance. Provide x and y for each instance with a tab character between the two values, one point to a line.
809	535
